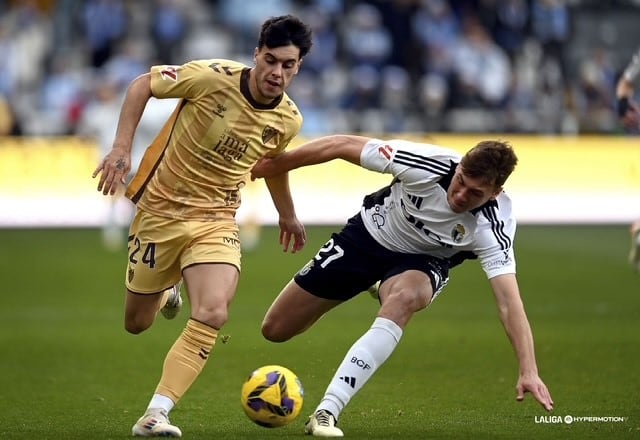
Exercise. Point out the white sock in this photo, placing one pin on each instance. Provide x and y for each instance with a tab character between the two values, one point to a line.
162	402
362	360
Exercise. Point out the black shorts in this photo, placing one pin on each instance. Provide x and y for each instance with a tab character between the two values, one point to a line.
352	261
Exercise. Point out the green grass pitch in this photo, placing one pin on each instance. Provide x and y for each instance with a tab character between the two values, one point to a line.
68	370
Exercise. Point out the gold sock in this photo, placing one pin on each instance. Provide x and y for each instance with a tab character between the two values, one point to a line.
186	359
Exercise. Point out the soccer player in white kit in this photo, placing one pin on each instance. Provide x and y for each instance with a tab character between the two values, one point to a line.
440	209
630	117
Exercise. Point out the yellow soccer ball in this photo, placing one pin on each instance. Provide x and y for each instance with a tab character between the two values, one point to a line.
272	396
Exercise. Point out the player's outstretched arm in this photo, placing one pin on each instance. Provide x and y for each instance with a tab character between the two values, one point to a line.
534	385
115	166
324	149
290	227
516	325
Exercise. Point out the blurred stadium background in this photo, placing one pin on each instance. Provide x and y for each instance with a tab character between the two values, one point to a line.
540	73
527	66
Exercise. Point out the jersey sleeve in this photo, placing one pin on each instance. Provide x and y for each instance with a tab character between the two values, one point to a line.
189	81
494	239
412	163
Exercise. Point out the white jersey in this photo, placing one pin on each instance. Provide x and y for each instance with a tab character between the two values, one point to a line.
412	214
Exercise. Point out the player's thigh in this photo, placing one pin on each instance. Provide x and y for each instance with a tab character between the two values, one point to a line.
211	268
410	284
417	277
210	285
294	311
403	295
141	306
212	242
154	249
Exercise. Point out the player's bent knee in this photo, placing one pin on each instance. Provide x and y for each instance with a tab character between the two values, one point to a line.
421	302
136	327
214	317
410	300
273	332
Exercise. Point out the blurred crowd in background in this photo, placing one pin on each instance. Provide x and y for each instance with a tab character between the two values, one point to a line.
523	66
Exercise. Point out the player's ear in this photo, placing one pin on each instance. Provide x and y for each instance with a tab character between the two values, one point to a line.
255	54
496	193
298	64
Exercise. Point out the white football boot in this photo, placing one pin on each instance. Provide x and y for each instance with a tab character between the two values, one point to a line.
155	423
174	303
322	424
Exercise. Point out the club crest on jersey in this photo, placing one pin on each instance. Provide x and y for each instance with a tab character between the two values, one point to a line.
377	219
268	133
170	73
457	233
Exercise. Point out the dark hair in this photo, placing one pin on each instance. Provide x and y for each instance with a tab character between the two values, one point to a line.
492	160
283	31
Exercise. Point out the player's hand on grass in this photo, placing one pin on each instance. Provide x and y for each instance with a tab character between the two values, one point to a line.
535	386
113	170
292	229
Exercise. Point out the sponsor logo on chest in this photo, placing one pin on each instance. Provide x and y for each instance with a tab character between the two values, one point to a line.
457	233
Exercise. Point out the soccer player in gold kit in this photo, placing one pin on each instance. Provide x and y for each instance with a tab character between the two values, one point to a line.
187	190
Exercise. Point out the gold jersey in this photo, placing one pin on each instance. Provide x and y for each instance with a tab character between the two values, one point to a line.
202	157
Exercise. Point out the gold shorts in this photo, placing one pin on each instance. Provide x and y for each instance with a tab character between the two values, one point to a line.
160	248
